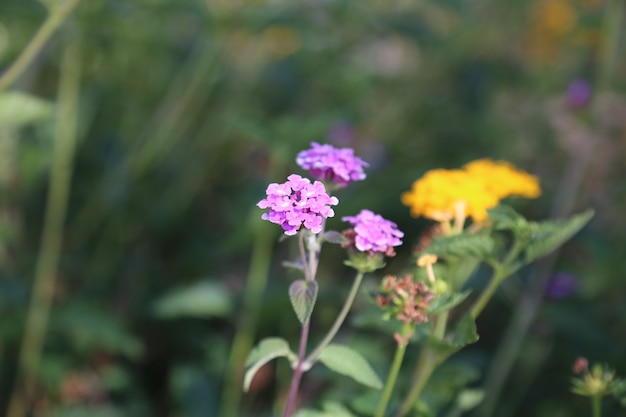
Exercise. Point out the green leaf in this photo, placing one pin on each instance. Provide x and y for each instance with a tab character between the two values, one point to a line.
462	245
201	300
349	362
330	409
551	234
464	334
505	218
267	349
446	302
469	399
618	391
19	109
303	295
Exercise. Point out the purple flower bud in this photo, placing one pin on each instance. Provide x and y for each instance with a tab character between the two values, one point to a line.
561	285
373	233
336	165
578	94
297	202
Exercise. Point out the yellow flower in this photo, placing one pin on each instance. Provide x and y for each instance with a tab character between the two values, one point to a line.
441	195
502	179
444	195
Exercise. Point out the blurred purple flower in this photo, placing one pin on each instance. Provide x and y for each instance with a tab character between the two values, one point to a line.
562	285
327	163
341	133
373	233
298	202
578	94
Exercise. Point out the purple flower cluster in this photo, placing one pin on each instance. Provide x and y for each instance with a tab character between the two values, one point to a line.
297	202
327	163
373	233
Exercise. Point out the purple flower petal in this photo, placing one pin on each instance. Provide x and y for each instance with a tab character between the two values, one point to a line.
297	202
373	232
327	163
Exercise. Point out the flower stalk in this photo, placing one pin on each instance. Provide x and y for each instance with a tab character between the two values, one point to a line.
46	269
310	270
395	370
338	321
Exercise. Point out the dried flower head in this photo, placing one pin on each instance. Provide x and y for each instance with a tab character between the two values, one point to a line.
336	165
404	299
298	202
373	233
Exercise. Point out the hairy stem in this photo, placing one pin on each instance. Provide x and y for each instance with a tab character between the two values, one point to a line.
426	364
310	270
393	373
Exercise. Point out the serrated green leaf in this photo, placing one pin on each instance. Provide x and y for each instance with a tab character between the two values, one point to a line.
551	234
506	218
201	300
462	245
446	302
19	109
464	334
349	362
265	351
303	295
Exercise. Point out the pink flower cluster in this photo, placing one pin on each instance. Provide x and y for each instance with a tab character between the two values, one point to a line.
373	233
327	163
298	202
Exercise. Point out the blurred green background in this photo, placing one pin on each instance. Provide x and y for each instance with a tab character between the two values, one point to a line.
187	109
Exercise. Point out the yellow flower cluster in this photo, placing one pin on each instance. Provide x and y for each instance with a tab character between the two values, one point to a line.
454	194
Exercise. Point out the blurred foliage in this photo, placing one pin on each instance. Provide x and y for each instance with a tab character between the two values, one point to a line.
189	108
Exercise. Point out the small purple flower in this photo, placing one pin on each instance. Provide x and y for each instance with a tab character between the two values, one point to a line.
578	94
327	163
562	285
372	233
297	202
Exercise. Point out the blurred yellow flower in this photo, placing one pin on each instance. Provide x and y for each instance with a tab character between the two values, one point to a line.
441	194
444	195
502	179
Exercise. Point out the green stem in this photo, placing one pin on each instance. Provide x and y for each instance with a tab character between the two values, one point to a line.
246	324
338	321
310	271
426	364
393	373
52	236
485	296
45	32
500	272
596	404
